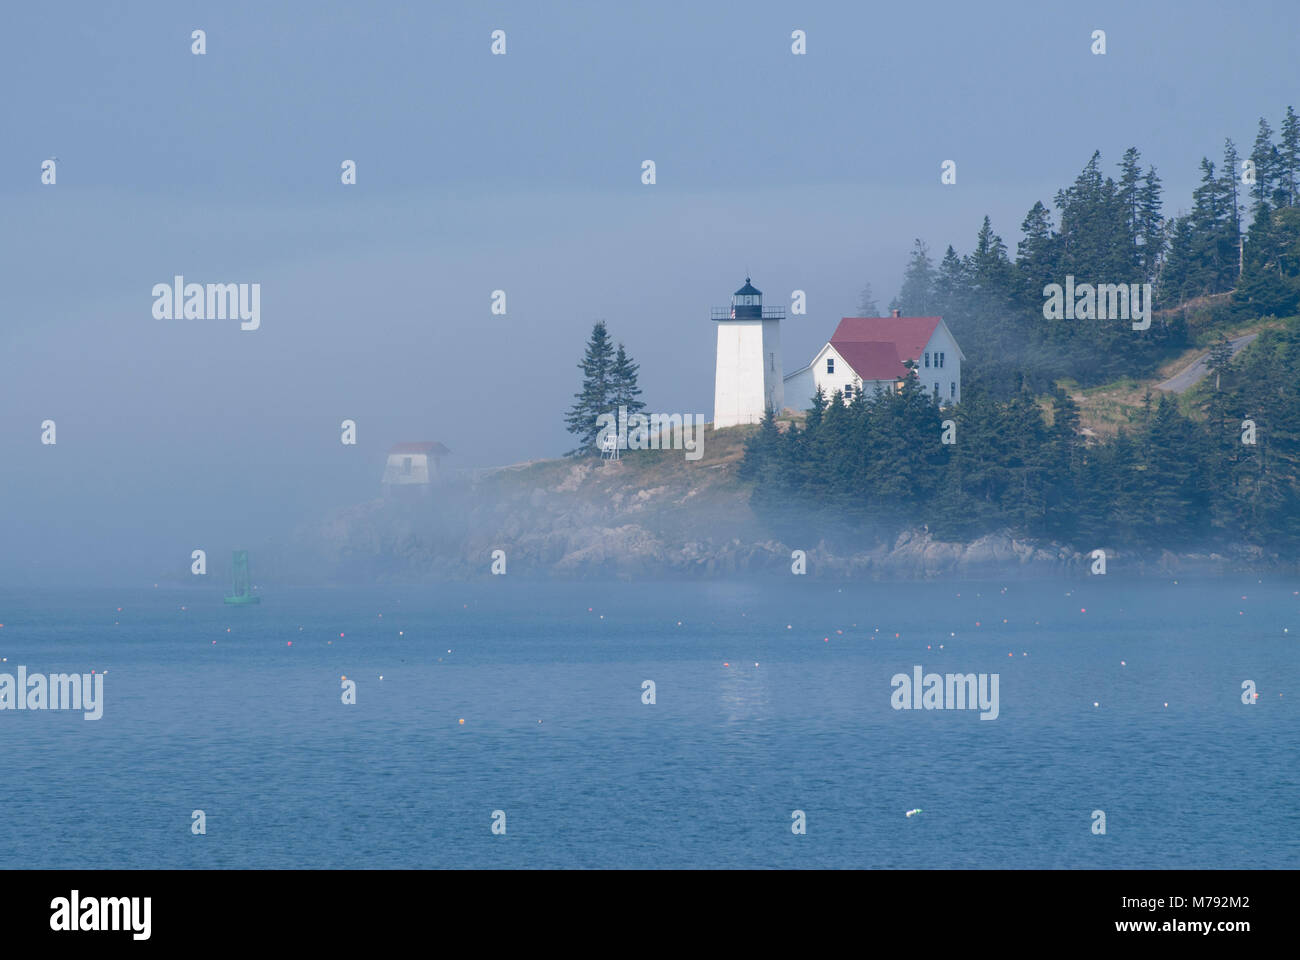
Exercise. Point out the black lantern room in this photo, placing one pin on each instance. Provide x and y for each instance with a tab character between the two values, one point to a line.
747	303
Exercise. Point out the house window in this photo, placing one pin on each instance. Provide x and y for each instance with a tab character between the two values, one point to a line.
936	389
938	359
952	390
830	364
406	464
927	359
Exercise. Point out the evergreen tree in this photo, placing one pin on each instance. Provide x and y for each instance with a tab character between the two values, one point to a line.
623	384
597	392
1228	189
1179	275
1220	359
1064	459
916	297
867	306
1265	158
1152	226
987	266
1289	157
1130	201
951	287
1213	252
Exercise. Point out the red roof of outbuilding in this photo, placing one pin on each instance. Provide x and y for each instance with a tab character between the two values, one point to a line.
875	347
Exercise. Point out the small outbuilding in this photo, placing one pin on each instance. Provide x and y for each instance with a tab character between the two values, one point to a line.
413	465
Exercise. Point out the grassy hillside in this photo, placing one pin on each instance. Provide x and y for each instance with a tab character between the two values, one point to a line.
1104	409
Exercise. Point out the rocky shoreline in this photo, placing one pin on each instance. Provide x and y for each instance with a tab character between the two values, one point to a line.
655	520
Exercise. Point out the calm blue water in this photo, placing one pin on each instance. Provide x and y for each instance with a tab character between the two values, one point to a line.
253	732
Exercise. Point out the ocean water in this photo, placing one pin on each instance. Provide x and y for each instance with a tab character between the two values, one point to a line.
771	697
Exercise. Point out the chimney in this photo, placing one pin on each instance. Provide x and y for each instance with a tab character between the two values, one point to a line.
894	312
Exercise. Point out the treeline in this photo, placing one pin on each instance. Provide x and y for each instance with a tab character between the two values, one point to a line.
1108	229
879	464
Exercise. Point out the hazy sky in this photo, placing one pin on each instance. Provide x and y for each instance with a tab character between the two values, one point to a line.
519	172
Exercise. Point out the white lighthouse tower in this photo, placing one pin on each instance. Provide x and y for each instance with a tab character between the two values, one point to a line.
747	381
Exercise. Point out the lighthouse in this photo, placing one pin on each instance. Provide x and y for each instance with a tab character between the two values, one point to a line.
747	380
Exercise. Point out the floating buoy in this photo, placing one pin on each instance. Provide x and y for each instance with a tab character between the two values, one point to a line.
1123	663
1096	704
462	721
291	643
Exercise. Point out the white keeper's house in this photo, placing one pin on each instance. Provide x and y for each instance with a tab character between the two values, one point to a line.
868	353
863	354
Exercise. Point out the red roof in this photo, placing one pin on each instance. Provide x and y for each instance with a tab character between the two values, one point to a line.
871	360
429	448
875	347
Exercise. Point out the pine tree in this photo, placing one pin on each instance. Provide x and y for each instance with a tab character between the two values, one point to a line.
916	297
623	384
951	287
1213	253
1220	359
1178	275
988	265
1035	253
1265	158
596	394
1130	201
1152	226
1289	157
867	306
1228	189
